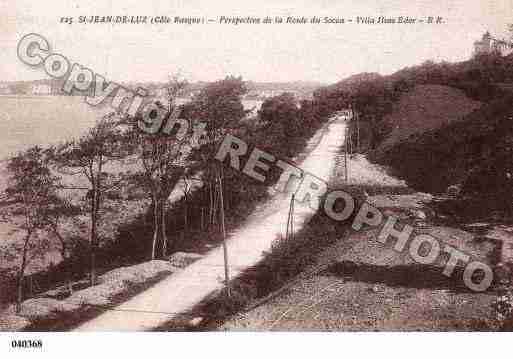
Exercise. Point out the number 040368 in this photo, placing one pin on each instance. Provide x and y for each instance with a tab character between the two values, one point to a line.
26	344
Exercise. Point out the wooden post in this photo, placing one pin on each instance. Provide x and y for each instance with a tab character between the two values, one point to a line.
350	135
345	157
292	216
163	225
290	220
223	229
357	133
287	231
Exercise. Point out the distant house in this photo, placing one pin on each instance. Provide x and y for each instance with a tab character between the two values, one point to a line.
489	44
267	93
194	93
483	46
41	89
346	114
5	90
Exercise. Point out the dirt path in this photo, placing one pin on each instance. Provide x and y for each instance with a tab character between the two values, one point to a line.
181	291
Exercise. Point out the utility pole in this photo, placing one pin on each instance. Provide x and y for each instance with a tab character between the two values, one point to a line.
351	145
345	155
357	132
223	229
290	220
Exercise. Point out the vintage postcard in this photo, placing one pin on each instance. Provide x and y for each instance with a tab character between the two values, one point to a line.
255	166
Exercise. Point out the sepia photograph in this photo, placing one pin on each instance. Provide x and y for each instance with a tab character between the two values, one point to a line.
255	167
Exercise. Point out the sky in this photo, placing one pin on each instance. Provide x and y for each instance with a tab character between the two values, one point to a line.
268	53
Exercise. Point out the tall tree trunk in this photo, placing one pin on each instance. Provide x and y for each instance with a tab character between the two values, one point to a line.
21	274
94	220
223	231
186	214
19	296
92	276
215	203
211	203
163	225
155	227
202	221
66	259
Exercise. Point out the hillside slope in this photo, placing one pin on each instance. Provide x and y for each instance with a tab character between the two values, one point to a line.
426	107
475	152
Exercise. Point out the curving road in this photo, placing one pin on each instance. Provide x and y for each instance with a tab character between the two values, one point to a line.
181	291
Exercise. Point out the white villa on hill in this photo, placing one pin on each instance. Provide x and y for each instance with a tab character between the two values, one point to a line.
489	44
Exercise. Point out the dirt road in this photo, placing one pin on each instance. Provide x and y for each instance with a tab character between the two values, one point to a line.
181	291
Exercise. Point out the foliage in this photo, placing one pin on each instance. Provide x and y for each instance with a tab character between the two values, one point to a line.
373	96
163	160
30	206
88	157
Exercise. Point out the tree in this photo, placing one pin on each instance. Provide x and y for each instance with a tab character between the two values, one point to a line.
163	161
279	116
62	213
219	104
88	157
31	200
